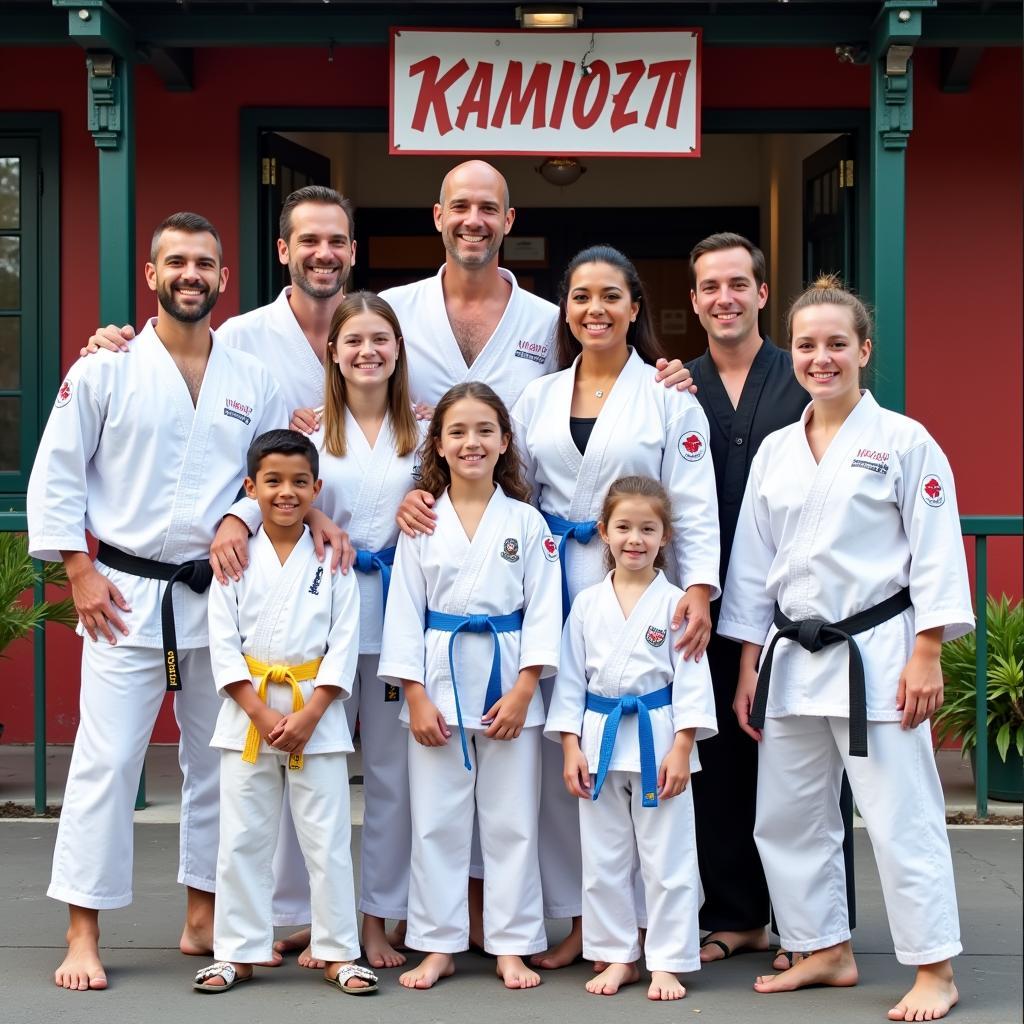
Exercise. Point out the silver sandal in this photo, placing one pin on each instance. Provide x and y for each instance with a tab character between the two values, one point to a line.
220	969
349	971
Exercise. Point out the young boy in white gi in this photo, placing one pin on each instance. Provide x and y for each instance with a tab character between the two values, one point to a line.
284	644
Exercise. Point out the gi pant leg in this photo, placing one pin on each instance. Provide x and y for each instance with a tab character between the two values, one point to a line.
387	828
122	689
608	843
561	870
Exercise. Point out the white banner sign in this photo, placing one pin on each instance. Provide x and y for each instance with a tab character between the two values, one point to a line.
600	93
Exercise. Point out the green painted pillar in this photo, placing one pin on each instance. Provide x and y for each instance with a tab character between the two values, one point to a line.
895	32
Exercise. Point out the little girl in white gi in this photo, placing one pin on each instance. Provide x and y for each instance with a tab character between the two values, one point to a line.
473	621
849	565
627	708
283	646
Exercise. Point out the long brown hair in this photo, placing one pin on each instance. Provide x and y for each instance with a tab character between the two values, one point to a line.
435	475
403	421
638	487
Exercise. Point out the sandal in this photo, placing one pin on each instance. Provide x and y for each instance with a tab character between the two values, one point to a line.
220	969
788	955
724	947
348	971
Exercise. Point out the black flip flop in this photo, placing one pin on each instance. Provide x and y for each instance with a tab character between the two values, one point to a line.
726	951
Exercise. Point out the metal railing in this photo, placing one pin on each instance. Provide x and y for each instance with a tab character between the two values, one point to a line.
978	527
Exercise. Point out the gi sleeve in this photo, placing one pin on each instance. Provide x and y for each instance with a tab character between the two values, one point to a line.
693	699
569	696
248	510
57	495
688	475
340	662
521	416
226	658
542	597
939	585
747	607
403	646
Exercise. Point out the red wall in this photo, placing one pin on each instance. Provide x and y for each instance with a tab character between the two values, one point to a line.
963	180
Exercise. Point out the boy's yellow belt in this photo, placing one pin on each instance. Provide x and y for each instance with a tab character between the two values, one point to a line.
290	675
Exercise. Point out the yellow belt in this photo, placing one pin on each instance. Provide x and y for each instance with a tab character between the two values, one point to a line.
289	675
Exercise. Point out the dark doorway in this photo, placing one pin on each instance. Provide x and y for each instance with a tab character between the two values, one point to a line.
830	212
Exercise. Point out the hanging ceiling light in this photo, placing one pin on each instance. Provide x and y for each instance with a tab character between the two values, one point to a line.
549	16
561	170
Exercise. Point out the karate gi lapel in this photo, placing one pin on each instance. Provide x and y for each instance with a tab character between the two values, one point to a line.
375	464
471	579
624	635
300	356
281	584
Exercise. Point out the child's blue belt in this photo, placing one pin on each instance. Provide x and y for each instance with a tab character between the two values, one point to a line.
582	533
377	561
456	624
615	708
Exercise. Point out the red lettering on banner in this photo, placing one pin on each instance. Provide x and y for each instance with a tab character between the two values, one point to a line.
669	73
621	116
478	97
516	100
562	93
432	92
601	75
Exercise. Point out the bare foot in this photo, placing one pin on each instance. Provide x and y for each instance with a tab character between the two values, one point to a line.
784	959
397	936
331	973
197	935
754	940
293	943
218	981
832	966
515	973
932	996
306	959
432	968
612	978
665	985
379	950
565	953
600	965
82	968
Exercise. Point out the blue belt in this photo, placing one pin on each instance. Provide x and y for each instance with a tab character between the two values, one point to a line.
582	533
615	708
377	561
456	624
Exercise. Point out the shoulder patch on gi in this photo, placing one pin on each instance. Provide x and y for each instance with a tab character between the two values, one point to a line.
692	446
932	491
510	550
238	410
868	458
550	548
64	394
655	636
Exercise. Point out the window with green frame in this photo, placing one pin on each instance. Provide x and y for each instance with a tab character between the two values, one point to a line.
29	299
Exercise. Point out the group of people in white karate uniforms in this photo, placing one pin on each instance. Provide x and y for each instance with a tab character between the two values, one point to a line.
590	502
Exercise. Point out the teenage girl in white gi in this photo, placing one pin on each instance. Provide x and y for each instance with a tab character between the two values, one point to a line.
601	417
850	518
473	621
627	708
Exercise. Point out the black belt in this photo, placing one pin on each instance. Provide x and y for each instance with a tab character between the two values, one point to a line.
198	575
814	634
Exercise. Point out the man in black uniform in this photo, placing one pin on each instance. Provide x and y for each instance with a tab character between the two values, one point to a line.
746	386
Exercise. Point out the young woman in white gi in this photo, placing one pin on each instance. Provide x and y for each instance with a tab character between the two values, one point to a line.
602	417
627	708
849	514
473	621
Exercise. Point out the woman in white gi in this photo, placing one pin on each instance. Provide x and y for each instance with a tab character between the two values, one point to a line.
849	564
602	417
472	623
627	708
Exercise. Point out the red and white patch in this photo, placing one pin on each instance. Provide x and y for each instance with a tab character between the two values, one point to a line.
933	491
655	637
63	395
550	548
692	446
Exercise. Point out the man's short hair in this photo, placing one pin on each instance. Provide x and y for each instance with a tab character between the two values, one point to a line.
193	223
315	194
281	442
729	240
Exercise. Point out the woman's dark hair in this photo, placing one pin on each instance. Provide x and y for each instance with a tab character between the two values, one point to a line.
641	332
435	475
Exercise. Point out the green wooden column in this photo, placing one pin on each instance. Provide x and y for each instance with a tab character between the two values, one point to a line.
894	34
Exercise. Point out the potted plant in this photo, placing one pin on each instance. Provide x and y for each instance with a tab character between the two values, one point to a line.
1005	678
18	574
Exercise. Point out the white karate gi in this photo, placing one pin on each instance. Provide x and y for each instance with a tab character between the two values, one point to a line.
284	614
612	656
643	429
521	349
273	335
510	564
126	456
828	540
